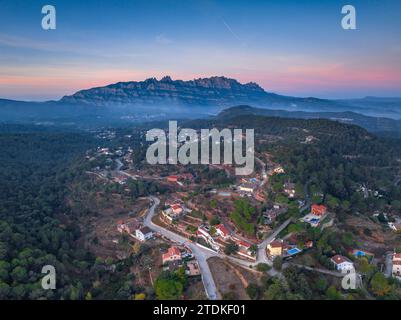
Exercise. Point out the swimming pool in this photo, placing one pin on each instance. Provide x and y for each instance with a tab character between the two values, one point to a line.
293	251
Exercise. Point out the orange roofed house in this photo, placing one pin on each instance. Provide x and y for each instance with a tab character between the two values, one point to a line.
172	254
172	178
275	248
222	231
318	210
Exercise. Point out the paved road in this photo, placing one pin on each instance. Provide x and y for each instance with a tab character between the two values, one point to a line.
262	256
200	254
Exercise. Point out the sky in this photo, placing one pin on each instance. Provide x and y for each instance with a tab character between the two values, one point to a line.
291	47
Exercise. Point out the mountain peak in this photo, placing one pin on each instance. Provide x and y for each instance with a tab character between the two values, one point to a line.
214	91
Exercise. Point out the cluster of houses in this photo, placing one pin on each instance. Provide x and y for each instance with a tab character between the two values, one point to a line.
176	258
317	214
220	238
135	230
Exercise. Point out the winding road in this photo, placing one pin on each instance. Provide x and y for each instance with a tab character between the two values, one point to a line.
200	254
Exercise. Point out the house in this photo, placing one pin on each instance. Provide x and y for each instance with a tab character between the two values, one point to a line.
222	231
144	234
278	170
244	249
342	263
173	212
318	210
397	265
203	233
246	187
289	189
173	179
193	268
275	248
172	254
260	196
128	227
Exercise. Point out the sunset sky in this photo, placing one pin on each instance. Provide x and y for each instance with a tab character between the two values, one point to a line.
288	47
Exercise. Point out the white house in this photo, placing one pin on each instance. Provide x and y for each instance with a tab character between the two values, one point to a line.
397	265
342	263
144	234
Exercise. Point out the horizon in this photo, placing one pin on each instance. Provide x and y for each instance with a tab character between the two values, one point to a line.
292	48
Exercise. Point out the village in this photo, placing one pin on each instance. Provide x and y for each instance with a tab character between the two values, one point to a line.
263	219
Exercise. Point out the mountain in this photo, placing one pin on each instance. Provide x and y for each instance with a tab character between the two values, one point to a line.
372	124
152	99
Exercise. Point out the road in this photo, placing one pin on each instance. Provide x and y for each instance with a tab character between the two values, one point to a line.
200	254
262	255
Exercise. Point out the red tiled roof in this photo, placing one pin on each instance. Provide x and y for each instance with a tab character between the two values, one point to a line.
223	229
276	244
318	209
337	259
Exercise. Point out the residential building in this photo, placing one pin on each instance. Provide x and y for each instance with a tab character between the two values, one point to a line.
172	179
222	231
318	210
397	265
193	268
342	263
172	254
289	189
275	248
144	234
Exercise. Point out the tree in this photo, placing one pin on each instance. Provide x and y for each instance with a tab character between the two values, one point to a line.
333	294
379	285
139	296
278	263
231	248
253	291
263	267
168	289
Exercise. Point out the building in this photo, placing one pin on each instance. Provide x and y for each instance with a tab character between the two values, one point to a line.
247	187
289	189
128	227
222	231
193	268
144	234
318	210
278	170
173	179
342	263
275	248
173	212
172	254
397	265
260	196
